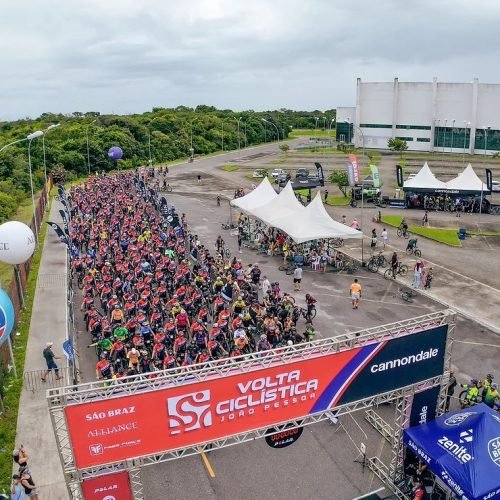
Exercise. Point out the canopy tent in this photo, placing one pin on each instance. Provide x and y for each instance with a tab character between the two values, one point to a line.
284	206
424	181
467	182
463	449
314	223
262	194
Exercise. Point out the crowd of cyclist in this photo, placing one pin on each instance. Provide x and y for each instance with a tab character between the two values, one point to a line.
154	297
446	203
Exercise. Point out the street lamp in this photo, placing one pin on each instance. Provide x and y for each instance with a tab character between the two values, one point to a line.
271	123
29	138
452	130
466	124
360	131
88	144
239	140
330	131
486	130
324	123
444	133
50	127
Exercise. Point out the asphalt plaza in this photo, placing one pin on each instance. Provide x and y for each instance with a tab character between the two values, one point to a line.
321	464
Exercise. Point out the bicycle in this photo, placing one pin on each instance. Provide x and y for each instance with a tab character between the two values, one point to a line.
308	317
353	203
289	270
380	202
464	401
414	250
402	269
167	188
349	267
375	262
407	294
228	226
403	232
337	242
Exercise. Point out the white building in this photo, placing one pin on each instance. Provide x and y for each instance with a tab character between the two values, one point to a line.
434	116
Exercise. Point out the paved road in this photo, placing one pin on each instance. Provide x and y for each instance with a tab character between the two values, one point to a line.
320	465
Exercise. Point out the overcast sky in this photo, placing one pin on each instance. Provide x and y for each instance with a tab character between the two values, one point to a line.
126	56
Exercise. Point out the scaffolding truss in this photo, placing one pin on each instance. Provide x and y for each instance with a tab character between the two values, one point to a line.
59	398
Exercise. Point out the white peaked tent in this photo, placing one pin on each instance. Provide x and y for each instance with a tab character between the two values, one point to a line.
467	181
424	181
315	223
262	194
284	205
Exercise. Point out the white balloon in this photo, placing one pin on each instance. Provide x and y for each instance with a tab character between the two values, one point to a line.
17	242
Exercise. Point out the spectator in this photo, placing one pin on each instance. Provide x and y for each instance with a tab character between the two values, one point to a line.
17	490
452	383
20	456
417	273
326	197
355	292
49	356
28	483
373	242
297	277
385	237
266	285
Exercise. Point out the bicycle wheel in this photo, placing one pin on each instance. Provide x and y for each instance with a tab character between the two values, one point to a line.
399	233
406	297
290	270
313	313
409	251
417	253
353	204
462	398
80	282
168	189
388	274
372	266
227	253
406	234
403	269
382	261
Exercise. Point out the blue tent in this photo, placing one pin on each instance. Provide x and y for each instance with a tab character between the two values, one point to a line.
463	449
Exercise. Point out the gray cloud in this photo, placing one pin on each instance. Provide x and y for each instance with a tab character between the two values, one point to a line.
127	56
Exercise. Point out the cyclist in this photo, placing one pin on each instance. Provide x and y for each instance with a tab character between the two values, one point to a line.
310	301
491	396
309	333
403	226
104	368
263	344
472	393
394	264
487	383
412	244
238	306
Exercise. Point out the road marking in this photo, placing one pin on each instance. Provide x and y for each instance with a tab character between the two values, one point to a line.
207	463
476	343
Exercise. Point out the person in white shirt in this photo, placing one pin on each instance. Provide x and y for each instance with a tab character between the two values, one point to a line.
266	285
297	277
385	237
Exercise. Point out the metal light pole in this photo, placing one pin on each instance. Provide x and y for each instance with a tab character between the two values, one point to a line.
486	130
330	131
88	144
30	138
50	127
245	123
271	123
324	123
436	134
444	133
466	123
150	161
452	133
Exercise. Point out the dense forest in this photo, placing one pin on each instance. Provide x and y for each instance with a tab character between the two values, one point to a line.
164	134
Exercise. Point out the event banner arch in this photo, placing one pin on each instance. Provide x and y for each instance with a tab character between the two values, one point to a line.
206	408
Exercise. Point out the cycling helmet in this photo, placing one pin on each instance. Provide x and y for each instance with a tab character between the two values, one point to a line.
200	321
216	325
117	306
240	297
240	316
103	355
474	381
494	385
490	376
263	336
289	342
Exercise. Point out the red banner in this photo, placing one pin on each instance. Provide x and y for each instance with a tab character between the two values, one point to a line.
115	429
108	487
355	167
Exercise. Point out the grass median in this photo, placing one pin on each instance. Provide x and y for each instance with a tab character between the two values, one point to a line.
447	236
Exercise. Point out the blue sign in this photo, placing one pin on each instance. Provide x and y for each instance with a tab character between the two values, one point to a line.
7	316
69	350
463	449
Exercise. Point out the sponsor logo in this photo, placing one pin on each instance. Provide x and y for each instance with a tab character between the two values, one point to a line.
3	321
459	418
457	451
96	449
189	412
405	360
494	450
127	410
423	415
451	482
466	436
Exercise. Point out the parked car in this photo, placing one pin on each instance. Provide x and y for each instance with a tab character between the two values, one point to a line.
277	172
259	174
282	178
495	186
301	172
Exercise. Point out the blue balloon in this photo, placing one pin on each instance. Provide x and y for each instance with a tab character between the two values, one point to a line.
115	153
6	316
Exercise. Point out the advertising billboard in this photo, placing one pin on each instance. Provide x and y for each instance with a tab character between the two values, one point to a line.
184	415
114	486
355	166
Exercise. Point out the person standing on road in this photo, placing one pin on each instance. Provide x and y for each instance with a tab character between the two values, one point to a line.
425	219
417	273
373	242
326	196
266	285
385	237
394	264
355	292
450	390
240	241
49	356
218	200
297	277
199	179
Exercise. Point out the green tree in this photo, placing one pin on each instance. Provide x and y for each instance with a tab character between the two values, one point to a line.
339	177
284	148
395	144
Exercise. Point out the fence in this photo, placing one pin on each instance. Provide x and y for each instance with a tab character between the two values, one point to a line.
17	287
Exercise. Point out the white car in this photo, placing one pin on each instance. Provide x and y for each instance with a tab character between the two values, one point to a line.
277	172
495	186
259	174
